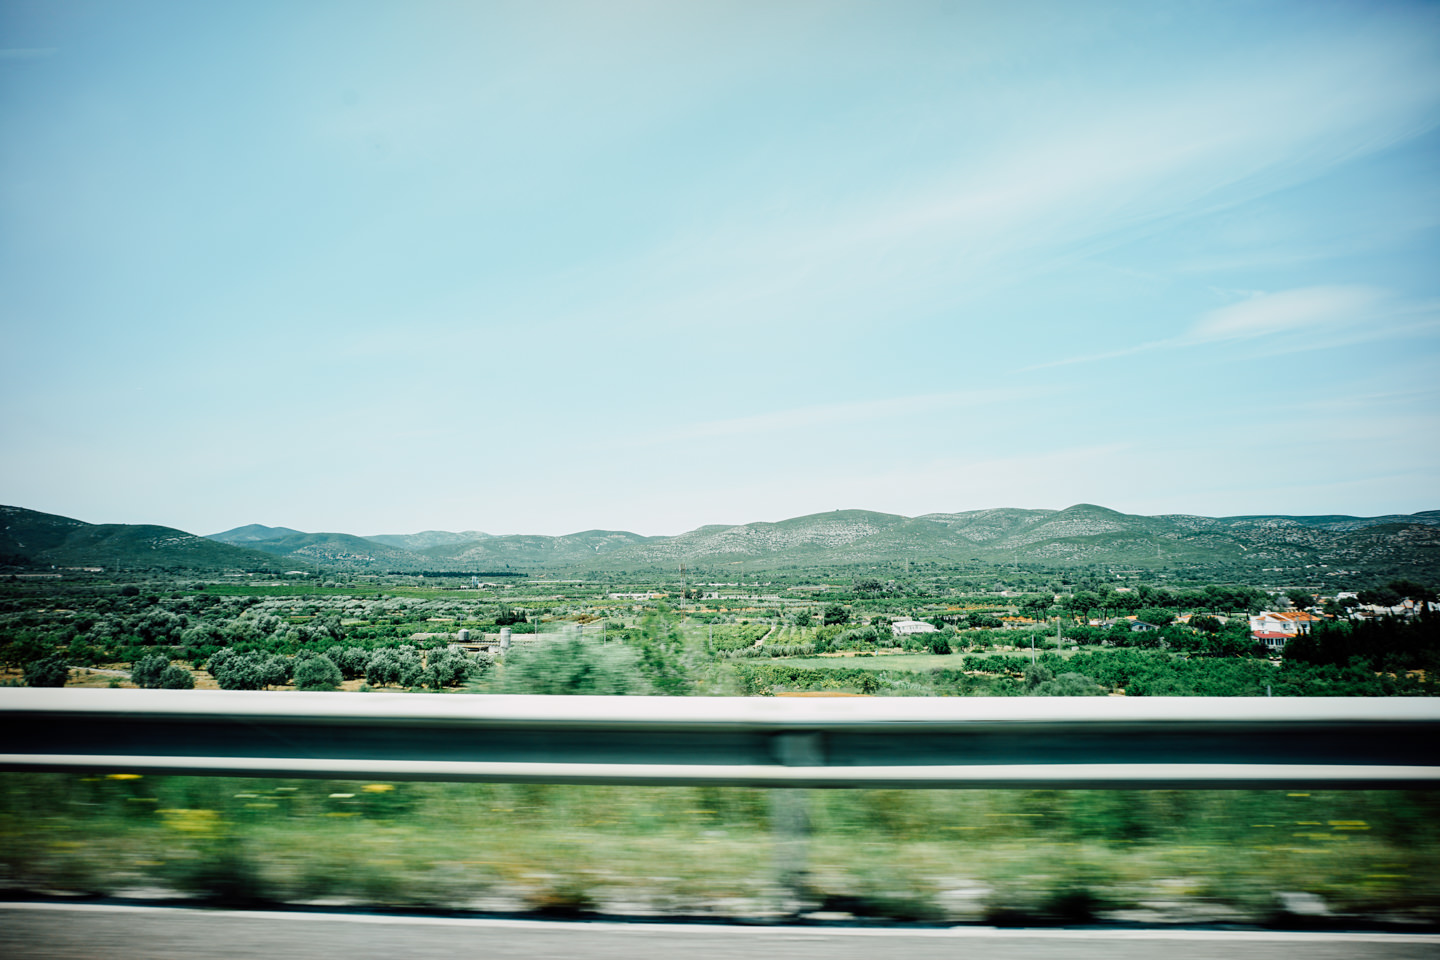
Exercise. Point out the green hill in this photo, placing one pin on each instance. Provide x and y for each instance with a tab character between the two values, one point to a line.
342	551
573	550
251	533
427	539
1082	536
30	538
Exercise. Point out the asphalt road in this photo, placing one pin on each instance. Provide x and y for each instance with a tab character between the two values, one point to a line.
55	931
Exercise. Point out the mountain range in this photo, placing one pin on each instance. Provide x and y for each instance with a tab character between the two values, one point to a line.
1083	536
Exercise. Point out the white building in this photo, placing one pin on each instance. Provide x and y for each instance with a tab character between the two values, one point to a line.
904	628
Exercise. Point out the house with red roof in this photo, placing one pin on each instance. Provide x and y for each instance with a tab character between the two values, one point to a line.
1276	629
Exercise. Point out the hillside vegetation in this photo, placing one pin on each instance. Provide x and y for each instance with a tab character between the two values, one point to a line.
1084	537
30	539
1080	536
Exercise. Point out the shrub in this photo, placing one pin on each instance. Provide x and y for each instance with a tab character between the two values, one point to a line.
1069	685
1037	674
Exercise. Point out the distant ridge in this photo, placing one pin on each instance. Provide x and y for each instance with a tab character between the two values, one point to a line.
251	533
1083	535
427	539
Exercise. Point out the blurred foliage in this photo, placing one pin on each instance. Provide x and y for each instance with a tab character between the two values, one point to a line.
1046	855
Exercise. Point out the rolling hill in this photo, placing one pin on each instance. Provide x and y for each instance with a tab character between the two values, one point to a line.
340	551
427	539
1084	535
251	533
29	538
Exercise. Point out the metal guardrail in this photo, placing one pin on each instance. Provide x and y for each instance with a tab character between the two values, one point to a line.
1105	742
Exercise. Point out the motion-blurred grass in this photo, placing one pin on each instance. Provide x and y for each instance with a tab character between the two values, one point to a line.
1185	856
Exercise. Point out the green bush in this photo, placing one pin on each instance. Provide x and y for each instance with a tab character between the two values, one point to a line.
1068	685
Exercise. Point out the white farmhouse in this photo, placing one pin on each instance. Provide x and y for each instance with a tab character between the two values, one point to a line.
904	628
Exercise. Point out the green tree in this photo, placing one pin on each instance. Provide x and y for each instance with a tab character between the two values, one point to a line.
146	671
448	668
274	670
236	671
1300	598
352	662
1155	616
51	671
317	673
1036	607
176	678
835	614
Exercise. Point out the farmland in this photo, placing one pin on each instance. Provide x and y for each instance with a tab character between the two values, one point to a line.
994	856
403	631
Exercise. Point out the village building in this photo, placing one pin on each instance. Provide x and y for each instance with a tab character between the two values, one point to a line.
1274	630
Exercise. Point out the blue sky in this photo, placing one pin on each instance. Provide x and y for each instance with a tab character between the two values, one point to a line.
550	267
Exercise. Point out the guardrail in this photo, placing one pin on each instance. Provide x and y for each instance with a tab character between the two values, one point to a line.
1106	742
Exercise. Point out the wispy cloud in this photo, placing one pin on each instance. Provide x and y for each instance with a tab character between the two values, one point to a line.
1328	316
1287	311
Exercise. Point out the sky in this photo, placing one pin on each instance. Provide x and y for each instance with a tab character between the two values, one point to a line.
546	267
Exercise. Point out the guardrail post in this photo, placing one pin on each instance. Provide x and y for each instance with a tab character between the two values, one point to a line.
790	818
